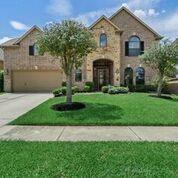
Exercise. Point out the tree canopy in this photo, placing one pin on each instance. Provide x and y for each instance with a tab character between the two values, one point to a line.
70	42
162	57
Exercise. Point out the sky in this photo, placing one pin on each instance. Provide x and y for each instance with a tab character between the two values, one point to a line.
17	16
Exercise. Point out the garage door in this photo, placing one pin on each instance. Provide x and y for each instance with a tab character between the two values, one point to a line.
34	81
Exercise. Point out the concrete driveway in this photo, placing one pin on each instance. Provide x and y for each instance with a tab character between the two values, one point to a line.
13	105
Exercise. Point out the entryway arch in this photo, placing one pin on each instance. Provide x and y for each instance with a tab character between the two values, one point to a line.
102	73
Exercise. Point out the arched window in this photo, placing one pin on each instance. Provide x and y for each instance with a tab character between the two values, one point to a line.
78	75
140	76
103	40
134	46
128	76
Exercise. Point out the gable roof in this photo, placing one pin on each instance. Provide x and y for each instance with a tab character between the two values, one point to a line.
105	18
27	33
15	41
138	19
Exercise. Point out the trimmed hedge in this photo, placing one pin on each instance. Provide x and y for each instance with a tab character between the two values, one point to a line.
105	89
114	90
87	88
63	90
90	87
57	92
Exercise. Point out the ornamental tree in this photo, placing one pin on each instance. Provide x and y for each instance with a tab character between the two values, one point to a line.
70	42
162	58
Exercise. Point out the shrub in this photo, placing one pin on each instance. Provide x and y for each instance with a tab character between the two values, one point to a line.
75	89
64	84
64	90
87	88
145	88
121	90
105	89
112	91
1	81
91	85
57	92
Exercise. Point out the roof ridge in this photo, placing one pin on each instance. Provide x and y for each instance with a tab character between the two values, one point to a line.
137	18
107	19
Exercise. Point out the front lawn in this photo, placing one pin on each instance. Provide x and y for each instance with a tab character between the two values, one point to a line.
104	109
88	159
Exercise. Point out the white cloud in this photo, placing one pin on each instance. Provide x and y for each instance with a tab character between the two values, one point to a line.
152	12
142	4
90	17
4	39
60	7
18	25
146	13
140	13
167	26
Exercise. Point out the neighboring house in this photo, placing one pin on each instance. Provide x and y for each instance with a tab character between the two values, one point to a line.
120	38
1	60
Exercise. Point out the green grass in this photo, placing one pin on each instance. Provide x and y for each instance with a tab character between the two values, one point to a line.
104	109
92	159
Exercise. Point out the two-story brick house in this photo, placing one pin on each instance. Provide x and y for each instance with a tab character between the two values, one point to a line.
120	38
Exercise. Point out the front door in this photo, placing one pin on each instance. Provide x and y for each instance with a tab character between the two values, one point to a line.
101	76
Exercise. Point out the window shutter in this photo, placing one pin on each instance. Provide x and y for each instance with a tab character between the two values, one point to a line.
31	50
126	48
142	47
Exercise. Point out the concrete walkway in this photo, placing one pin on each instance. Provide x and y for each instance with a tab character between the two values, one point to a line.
13	105
55	133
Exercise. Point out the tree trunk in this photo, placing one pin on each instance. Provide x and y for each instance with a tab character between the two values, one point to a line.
69	89
160	85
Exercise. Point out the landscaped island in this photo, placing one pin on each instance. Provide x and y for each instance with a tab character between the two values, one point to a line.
105	109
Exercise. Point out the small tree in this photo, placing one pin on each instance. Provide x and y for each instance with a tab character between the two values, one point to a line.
162	58
70	42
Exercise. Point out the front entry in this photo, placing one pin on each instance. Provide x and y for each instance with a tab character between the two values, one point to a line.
102	73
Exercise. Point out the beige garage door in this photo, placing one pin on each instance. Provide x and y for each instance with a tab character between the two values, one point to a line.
36	81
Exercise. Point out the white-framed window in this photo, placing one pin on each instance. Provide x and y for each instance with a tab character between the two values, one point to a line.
103	40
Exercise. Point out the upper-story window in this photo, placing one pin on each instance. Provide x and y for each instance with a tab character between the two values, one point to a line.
34	50
134	47
103	40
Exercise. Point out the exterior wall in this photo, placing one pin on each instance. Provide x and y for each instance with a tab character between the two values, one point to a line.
1	65
18	59
130	27
111	52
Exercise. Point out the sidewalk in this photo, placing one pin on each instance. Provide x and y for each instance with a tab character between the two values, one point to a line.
85	133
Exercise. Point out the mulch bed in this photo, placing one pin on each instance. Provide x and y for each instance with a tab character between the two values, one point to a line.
68	107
